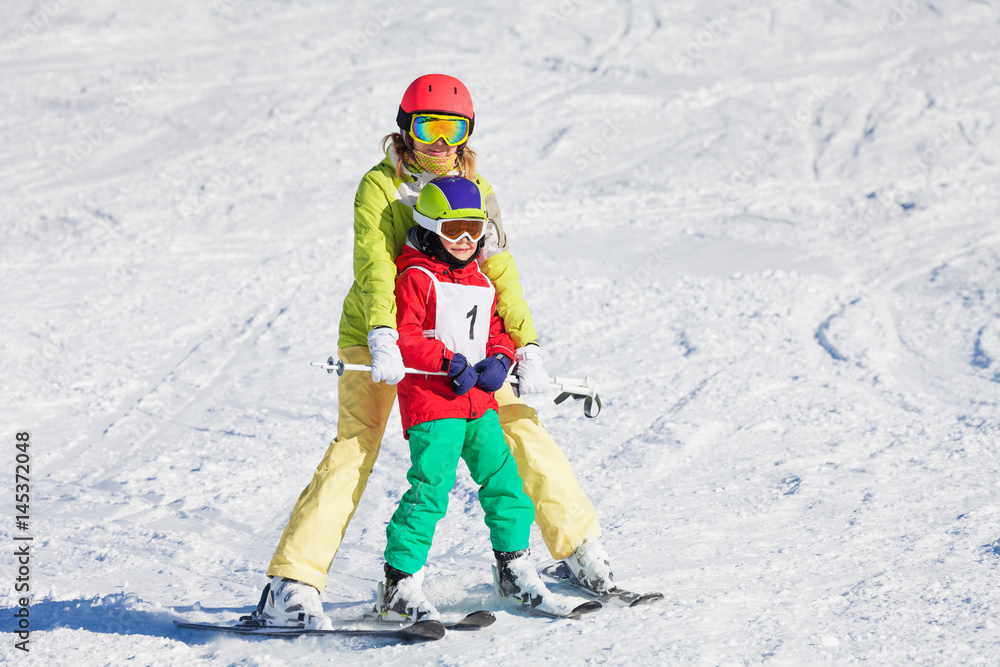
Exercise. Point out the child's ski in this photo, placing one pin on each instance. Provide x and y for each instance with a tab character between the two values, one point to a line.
552	609
560	572
551	605
476	620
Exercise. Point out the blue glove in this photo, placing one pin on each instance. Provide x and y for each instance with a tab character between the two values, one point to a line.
492	372
463	376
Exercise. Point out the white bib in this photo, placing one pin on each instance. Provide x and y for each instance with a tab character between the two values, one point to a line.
462	320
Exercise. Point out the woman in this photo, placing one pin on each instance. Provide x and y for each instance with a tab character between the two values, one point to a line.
435	120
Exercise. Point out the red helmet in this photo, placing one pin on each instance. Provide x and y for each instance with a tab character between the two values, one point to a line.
435	93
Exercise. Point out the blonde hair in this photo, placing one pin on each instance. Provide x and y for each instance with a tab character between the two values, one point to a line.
466	164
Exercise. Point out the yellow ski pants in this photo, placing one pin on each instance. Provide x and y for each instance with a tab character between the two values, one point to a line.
319	520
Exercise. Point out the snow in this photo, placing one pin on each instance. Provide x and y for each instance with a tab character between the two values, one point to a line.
767	231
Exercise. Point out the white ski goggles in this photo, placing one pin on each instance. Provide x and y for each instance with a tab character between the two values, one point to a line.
452	229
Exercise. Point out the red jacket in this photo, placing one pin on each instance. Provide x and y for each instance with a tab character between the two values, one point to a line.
424	398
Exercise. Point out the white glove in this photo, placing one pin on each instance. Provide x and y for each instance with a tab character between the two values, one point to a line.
387	362
531	375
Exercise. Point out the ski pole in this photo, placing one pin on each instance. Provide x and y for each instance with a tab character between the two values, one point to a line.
339	367
576	388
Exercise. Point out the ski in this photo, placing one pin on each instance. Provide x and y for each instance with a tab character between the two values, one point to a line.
551	605
254	624
560	572
415	632
476	620
574	613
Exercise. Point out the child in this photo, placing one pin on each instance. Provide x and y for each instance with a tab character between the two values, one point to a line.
448	326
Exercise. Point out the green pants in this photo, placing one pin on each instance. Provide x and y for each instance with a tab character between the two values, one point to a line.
435	448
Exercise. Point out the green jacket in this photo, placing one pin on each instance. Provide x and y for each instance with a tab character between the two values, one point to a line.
383	214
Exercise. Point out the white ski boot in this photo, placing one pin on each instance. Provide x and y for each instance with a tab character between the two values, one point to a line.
514	576
293	604
400	597
590	566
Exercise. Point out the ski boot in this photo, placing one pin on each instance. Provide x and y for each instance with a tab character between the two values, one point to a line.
293	604
590	566
401	599
515	576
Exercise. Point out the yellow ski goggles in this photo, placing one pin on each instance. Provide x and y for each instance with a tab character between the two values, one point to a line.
428	128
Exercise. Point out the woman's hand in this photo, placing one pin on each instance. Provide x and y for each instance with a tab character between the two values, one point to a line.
387	362
531	375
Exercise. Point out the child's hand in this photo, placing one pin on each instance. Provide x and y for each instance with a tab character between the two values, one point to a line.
492	372
463	376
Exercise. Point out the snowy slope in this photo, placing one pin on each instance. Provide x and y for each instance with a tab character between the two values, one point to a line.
769	230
